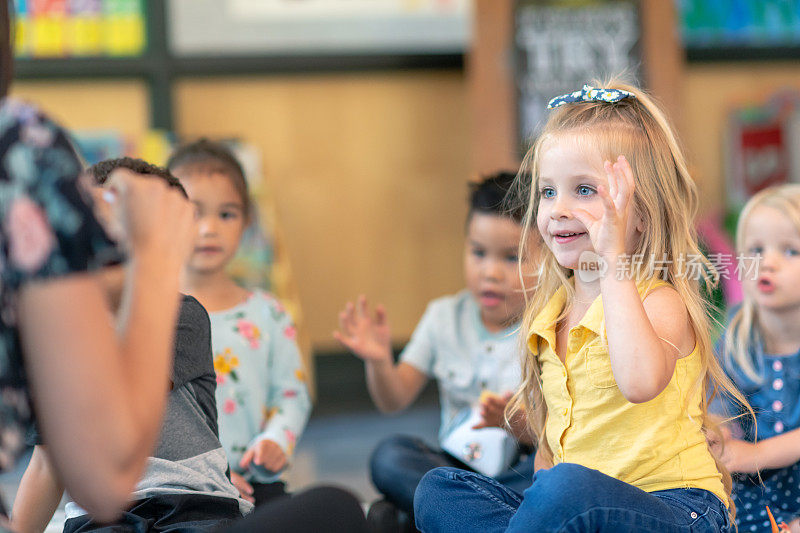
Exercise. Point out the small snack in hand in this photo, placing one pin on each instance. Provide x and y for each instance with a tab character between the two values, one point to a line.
487	394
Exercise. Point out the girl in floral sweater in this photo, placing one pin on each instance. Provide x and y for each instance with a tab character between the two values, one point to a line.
262	398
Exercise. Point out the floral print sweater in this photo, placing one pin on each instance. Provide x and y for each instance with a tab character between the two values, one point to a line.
261	383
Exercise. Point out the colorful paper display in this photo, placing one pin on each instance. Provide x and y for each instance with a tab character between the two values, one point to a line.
80	28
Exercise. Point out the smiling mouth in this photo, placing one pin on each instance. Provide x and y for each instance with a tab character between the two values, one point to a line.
567	236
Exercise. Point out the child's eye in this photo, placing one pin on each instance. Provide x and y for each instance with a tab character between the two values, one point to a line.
228	215
512	258
791	252
477	252
755	250
547	192
585	190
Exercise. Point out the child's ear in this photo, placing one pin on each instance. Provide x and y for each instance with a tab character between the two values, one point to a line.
638	220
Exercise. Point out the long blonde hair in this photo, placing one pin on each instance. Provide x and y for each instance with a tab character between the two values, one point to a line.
743	332
665	199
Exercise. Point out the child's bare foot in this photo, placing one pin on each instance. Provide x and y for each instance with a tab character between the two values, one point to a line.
794	525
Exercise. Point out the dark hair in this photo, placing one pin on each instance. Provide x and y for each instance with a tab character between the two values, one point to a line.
208	157
101	171
6	48
495	195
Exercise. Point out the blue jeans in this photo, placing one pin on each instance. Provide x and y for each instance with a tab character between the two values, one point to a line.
399	462
568	498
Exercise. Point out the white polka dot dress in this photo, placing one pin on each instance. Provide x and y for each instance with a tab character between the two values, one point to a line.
776	402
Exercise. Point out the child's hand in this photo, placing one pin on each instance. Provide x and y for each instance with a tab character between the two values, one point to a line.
266	453
741	456
492	408
715	441
245	489
365	336
608	232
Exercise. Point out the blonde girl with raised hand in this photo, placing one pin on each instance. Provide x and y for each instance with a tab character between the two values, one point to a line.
619	358
760	352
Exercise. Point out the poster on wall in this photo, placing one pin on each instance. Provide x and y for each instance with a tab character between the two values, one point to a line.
761	147
286	27
559	48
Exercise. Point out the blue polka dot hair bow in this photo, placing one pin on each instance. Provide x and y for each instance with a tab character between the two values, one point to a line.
590	94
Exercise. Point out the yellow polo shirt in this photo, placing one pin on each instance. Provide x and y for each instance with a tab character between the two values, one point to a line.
655	445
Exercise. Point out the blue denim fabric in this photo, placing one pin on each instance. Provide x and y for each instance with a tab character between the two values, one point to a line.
399	462
565	498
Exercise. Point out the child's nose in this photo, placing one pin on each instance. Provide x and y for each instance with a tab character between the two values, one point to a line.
769	262
493	270
561	208
206	226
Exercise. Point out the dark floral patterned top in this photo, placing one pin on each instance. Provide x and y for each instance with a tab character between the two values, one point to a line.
47	230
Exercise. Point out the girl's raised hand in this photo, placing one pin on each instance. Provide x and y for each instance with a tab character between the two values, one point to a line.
366	336
608	231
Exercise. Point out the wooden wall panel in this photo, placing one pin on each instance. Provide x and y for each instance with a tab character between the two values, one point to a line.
117	105
368	172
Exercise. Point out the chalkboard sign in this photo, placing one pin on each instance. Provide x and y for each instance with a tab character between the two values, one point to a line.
558	48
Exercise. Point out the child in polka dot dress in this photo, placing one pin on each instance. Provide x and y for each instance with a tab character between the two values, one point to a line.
760	351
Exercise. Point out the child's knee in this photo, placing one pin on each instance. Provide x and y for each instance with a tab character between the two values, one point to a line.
389	456
563	479
432	488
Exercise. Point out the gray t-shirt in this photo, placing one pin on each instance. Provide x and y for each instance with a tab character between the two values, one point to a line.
189	458
451	344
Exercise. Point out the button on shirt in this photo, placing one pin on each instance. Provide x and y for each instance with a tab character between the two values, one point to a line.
775	400
451	345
